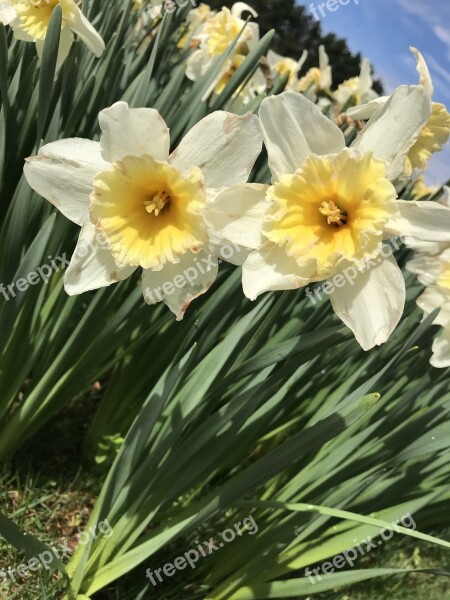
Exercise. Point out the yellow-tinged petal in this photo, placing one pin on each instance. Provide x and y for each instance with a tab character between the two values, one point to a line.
35	16
434	135
444	277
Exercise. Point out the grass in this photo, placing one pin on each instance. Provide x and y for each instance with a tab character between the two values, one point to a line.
50	495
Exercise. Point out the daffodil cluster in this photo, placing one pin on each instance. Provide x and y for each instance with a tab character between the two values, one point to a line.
331	205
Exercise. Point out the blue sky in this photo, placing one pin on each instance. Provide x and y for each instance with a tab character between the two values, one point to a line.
383	30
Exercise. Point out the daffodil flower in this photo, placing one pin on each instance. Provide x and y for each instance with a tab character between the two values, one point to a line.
139	206
330	208
216	35
283	65
424	263
358	89
195	19
435	133
30	19
434	272
316	79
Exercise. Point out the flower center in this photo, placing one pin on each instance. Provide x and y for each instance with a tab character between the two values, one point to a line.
332	210
333	213
157	202
150	213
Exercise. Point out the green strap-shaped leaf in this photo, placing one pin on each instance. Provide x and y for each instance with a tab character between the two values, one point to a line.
48	69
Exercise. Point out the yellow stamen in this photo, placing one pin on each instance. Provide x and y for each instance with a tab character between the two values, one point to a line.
157	203
333	213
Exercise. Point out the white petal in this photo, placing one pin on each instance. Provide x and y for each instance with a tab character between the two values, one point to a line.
441	350
273	58
223	145
366	111
270	269
293	128
92	265
424	73
436	297
302	60
237	214
196	65
239	7
429	248
84	30
7	12
365	76
63	172
65	44
178	285
373	305
133	132
424	220
325	70
323	58
392	131
19	34
426	268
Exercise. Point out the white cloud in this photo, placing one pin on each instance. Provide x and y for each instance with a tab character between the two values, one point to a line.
425	10
442	34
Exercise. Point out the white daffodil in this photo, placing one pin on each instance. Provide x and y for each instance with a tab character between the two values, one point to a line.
434	135
424	263
139	206
316	79
283	65
358	89
195	19
30	19
434	272
330	208
216	35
